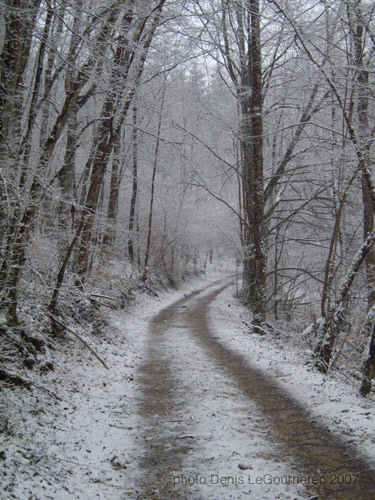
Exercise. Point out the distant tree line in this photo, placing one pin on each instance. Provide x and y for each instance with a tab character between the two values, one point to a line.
123	124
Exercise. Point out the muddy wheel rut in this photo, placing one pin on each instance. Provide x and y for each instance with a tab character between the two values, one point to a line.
168	438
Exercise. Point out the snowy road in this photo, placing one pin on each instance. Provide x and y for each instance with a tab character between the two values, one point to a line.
193	407
214	427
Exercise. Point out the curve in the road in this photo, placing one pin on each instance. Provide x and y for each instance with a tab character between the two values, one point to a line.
309	446
315	450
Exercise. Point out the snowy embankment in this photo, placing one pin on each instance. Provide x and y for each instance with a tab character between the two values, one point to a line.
330	398
77	435
73	435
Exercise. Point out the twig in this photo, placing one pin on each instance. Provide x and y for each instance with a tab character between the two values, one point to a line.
102	296
80	339
100	303
53	395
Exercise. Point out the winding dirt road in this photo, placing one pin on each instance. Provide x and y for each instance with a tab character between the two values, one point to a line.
187	434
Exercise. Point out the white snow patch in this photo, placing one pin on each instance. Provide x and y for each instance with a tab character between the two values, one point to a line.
337	404
75	435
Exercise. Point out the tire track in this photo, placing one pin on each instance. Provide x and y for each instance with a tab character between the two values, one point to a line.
312	449
168	442
161	408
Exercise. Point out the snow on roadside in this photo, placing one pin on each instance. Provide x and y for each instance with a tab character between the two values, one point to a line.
71	447
335	403
74	435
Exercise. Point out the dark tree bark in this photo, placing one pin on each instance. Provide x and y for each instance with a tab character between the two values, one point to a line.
114	192
330	323
251	104
152	194
246	75
364	93
259	289
364	136
133	201
66	177
104	147
14	58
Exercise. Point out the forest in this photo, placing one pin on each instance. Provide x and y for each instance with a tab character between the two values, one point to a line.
141	140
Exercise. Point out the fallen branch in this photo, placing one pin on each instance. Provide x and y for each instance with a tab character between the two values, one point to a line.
80	339
103	296
100	303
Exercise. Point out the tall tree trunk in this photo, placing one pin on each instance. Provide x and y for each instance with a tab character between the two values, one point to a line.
251	103
114	191
66	175
244	90
133	201
99	167
362	112
368	209
152	194
14	58
259	300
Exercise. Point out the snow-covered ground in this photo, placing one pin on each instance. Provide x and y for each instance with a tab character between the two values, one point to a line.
75	435
333	399
78	433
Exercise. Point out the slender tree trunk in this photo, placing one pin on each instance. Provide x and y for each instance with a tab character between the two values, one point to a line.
368	209
150	213
66	177
114	191
61	274
330	324
133	201
99	167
